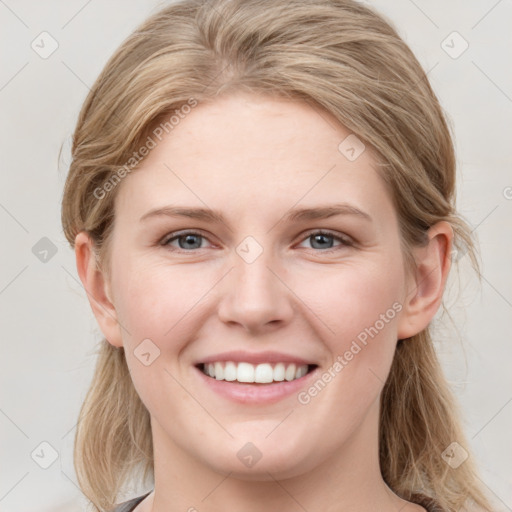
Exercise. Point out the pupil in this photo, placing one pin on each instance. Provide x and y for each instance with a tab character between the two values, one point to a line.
321	238
189	239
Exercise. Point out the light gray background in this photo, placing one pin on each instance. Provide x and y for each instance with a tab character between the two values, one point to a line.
48	331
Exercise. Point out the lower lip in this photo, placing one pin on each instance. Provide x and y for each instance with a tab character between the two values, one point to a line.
247	393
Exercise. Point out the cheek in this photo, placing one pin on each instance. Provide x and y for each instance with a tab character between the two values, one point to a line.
353	302
361	306
157	305
155	301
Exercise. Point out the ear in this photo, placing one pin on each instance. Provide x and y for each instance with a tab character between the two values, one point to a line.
97	287
425	288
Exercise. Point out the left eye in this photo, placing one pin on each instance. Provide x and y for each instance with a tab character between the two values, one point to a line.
320	237
191	240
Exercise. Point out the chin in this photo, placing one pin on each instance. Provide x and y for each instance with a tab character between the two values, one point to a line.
267	462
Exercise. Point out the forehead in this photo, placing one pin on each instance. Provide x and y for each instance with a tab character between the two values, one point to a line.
249	153
257	129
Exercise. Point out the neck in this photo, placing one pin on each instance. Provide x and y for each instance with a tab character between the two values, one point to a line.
350	479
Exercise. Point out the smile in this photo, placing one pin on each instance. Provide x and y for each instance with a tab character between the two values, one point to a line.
264	373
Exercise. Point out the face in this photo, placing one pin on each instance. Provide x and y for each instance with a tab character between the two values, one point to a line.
259	288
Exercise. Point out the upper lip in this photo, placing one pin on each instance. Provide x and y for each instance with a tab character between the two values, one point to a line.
239	356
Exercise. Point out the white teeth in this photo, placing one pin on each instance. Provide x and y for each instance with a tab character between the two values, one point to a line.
263	373
219	371
289	374
230	371
279	371
245	372
301	371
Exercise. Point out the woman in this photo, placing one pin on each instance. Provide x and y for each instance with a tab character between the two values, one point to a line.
262	370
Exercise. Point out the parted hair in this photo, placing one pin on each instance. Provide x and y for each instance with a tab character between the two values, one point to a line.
337	55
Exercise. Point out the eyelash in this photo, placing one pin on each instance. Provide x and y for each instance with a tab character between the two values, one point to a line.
345	241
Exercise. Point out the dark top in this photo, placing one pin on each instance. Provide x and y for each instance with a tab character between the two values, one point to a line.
429	504
128	506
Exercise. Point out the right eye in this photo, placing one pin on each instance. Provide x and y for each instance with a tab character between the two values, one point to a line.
187	240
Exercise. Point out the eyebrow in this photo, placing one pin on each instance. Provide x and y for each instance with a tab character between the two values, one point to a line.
294	215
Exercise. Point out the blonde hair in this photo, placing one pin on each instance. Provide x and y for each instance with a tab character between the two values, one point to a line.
337	55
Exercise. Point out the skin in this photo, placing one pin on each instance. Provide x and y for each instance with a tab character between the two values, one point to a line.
245	154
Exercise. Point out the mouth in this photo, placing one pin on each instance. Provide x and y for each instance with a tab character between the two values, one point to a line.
254	378
247	373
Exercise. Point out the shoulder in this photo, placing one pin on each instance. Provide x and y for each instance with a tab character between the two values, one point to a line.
128	506
429	504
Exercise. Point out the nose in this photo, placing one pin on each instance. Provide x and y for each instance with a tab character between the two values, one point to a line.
255	295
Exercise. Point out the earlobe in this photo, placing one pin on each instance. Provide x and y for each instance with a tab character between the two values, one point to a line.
425	288
97	288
